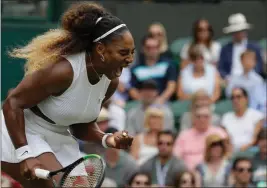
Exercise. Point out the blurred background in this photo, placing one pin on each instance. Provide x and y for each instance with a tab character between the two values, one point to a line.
194	97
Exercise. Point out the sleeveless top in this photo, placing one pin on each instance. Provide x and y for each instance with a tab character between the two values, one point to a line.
214	180
146	151
190	84
81	102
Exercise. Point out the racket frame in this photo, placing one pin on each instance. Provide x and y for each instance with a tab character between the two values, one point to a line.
69	168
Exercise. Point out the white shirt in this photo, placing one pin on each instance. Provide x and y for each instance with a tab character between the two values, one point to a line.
238	49
117	116
211	55
241	129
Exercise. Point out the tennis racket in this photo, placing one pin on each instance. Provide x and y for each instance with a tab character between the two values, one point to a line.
88	171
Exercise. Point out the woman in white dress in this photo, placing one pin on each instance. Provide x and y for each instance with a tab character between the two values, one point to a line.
70	73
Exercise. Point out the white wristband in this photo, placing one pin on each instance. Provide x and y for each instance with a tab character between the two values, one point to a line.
23	153
104	139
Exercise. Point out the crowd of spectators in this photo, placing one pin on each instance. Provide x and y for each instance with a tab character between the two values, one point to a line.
202	147
206	149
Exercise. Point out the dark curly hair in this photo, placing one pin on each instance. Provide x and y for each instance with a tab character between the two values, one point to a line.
77	32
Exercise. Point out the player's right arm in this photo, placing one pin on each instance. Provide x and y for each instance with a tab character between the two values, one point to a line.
51	80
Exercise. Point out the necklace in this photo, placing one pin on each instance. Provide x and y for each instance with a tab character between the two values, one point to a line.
91	64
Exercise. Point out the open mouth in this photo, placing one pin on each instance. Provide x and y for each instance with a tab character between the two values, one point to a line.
118	71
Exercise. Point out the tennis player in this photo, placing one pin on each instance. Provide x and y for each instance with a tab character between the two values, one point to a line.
70	73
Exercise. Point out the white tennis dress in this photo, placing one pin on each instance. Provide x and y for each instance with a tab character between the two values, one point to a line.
80	103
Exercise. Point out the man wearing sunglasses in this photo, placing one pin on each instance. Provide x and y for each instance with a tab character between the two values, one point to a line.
164	167
242	171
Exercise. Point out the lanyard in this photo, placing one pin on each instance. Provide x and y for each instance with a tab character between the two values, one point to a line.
161	172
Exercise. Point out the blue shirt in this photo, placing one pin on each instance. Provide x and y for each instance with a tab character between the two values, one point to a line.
259	99
162	72
248	82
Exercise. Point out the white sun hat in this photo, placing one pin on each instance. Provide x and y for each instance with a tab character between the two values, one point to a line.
237	22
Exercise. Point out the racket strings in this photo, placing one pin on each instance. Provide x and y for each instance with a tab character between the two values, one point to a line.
87	174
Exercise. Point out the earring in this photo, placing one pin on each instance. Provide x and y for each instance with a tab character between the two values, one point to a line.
102	58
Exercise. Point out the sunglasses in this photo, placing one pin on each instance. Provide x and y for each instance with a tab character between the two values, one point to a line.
240	170
220	143
236	97
141	182
202	116
202	29
187	182
165	143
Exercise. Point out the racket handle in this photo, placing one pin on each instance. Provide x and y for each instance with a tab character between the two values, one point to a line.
41	173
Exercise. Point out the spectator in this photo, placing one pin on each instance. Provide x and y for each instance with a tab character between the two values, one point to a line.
185	179
140	179
229	63
203	36
243	124
198	75
121	94
259	99
249	78
108	183
190	144
259	161
162	71
158	31
145	144
199	98
164	167
148	93
242	171
119	165
214	170
117	114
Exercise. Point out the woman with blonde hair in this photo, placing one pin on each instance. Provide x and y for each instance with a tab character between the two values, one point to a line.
70	73
199	98
145	144
214	171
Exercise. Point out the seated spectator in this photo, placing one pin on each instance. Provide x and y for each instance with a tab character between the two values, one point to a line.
120	166
214	170
164	167
203	36
259	99
162	71
148	94
121	94
249	78
144	145
139	179
199	98
116	114
242	172
243	124
259	161
198	75
190	144
185	179
158	31
108	183
229	63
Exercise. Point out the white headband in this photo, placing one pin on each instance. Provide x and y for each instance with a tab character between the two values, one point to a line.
98	20
108	32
